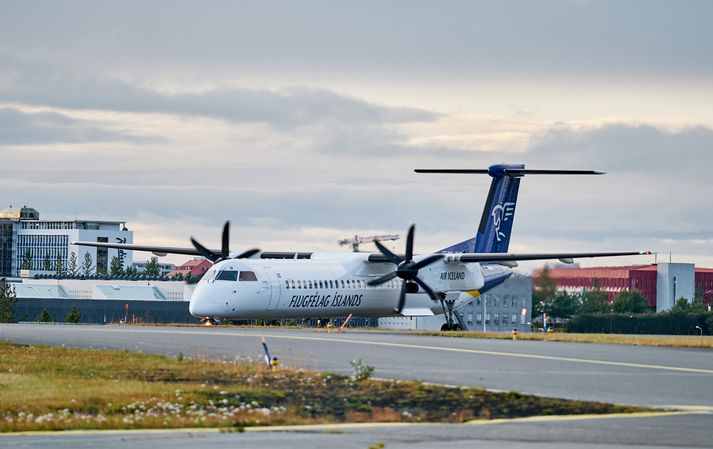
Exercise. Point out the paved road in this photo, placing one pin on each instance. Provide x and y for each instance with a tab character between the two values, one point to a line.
659	432
620	374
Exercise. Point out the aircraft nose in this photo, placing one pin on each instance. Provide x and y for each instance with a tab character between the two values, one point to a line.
198	306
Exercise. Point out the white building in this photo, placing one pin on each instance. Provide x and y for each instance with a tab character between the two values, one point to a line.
37	240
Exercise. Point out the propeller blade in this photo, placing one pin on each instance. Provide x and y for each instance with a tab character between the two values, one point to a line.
402	298
382	279
205	252
225	247
247	254
385	251
427	261
426	288
409	243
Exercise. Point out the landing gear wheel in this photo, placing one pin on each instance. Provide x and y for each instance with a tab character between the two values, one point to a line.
208	321
450	324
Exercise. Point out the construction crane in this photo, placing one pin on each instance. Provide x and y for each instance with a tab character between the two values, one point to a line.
357	240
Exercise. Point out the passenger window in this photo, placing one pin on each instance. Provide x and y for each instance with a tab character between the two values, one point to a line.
342	281
330	284
247	276
287	285
292	283
310	284
227	275
320	284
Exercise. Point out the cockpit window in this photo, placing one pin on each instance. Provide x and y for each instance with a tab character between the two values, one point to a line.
248	276
227	275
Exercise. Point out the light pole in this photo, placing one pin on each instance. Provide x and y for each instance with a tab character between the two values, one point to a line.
532	326
701	330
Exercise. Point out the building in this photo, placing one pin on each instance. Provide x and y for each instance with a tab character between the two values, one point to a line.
34	246
502	309
661	283
103	289
195	268
163	268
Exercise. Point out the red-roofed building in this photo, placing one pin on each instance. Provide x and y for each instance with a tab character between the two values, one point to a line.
193	268
613	280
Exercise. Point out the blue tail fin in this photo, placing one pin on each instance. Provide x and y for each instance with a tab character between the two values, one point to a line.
493	234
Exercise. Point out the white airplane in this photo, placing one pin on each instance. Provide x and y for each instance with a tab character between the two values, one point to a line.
257	284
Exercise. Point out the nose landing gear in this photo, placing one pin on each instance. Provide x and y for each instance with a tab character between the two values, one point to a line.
208	321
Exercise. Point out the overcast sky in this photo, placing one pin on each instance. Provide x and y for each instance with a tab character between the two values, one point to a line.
302	122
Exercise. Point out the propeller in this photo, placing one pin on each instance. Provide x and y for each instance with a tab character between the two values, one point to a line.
224	253
406	269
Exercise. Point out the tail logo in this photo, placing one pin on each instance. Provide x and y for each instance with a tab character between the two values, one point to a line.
502	213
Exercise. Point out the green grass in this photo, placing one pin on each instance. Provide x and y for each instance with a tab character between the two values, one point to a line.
51	388
681	341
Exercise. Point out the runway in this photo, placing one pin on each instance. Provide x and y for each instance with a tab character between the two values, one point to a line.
650	376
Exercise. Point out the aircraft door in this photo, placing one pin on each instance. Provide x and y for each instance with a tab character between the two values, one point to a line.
275	286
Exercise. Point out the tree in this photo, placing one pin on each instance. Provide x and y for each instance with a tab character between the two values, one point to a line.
116	268
543	290
683	305
73	316
26	260
594	300
72	268
87	265
152	268
630	302
131	270
44	316
59	266
47	263
8	301
563	305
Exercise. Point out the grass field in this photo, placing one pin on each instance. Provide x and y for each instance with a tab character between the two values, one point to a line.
52	388
681	341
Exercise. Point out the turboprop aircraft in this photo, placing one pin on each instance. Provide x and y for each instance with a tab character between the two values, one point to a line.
257	284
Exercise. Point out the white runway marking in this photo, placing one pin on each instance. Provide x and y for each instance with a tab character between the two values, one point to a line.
426	347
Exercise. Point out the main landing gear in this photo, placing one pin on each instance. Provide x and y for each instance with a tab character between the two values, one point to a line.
450	324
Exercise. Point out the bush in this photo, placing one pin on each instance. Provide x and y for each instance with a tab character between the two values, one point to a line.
361	371
668	323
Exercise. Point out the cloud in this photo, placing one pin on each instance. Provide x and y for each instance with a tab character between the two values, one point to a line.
45	84
36	128
626	148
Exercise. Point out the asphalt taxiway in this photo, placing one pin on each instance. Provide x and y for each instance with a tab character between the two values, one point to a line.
676	378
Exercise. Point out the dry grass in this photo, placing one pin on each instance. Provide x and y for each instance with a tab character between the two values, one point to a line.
44	388
679	341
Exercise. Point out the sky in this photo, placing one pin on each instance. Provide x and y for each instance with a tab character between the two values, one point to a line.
302	122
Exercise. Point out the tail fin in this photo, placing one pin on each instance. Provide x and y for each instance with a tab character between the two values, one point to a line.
493	235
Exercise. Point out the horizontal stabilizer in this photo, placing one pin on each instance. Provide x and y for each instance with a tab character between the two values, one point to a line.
507	171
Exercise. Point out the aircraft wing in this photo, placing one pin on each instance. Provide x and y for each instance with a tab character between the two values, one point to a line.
514	257
158	250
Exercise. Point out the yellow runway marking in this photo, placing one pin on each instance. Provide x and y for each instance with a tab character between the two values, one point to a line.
430	348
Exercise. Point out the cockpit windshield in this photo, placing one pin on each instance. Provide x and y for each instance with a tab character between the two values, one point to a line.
227	275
